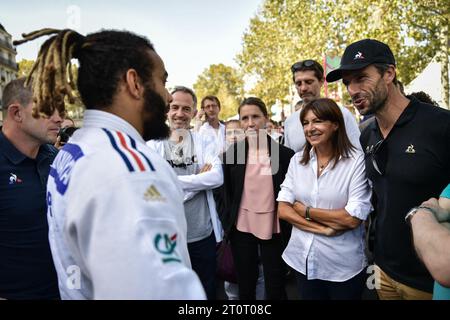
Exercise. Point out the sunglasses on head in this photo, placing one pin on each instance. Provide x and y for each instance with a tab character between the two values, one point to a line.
374	156
302	64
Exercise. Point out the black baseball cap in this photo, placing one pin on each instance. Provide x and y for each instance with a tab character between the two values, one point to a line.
360	54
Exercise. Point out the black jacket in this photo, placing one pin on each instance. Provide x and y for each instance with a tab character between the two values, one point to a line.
228	197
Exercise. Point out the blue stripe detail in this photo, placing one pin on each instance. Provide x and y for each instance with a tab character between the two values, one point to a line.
53	172
61	169
133	144
124	157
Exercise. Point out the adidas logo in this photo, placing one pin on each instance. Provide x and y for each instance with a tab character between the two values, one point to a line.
152	194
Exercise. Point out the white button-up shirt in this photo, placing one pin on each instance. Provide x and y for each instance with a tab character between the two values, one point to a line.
337	258
218	135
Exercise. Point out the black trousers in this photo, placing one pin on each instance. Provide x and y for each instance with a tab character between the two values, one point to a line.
244	247
203	259
351	289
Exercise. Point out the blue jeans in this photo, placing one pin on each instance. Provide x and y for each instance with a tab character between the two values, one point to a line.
203	260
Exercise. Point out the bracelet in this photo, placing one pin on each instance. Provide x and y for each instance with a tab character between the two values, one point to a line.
413	211
307	216
429	209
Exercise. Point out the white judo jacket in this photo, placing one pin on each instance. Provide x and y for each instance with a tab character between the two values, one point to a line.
117	227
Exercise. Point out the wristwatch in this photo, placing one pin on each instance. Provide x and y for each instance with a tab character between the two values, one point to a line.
307	217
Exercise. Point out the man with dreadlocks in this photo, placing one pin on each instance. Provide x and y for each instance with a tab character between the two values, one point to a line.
115	209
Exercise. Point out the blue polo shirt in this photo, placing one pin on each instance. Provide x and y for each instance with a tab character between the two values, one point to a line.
26	265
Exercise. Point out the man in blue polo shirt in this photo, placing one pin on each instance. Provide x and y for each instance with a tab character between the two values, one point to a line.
26	265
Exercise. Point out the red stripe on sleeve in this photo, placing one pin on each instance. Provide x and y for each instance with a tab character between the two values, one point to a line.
135	156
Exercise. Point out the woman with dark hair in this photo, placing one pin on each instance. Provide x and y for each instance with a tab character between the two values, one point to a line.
253	172
326	197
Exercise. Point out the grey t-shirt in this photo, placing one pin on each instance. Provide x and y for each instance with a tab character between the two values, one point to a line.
182	157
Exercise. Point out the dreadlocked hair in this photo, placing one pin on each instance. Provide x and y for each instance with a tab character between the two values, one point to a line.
104	58
51	74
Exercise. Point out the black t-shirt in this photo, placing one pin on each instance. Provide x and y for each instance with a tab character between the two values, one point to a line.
26	265
414	161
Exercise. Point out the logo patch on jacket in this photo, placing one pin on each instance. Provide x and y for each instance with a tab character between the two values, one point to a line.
410	149
13	179
166	245
153	194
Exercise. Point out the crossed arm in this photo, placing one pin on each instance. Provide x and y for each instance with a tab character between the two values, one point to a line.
431	234
325	222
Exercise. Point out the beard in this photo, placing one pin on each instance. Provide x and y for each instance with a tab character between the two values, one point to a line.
154	115
379	98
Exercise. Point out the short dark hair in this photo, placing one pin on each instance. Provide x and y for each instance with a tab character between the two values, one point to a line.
16	92
382	67
104	57
255	102
186	90
423	97
308	65
327	109
212	98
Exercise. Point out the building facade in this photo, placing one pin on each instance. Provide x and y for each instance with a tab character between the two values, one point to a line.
8	65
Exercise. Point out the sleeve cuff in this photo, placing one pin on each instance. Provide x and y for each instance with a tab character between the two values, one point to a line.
360	211
285	196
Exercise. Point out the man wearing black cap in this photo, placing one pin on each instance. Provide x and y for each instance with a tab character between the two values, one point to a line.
407	159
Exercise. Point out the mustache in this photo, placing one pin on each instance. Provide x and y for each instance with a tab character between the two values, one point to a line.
358	96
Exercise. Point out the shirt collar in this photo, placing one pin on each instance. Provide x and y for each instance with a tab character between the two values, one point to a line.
406	116
10	151
207	125
313	156
16	157
107	120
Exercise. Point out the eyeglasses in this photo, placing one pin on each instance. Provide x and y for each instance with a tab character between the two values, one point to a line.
301	64
374	153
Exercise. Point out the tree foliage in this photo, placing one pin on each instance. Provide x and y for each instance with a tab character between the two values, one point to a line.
285	31
25	67
224	82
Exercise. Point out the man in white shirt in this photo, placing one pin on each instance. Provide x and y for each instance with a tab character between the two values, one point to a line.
199	171
210	109
308	77
116	222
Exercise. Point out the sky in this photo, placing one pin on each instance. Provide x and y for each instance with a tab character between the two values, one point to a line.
189	35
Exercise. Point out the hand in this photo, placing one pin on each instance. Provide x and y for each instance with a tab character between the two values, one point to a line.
200	115
300	208
440	214
330	232
207	167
